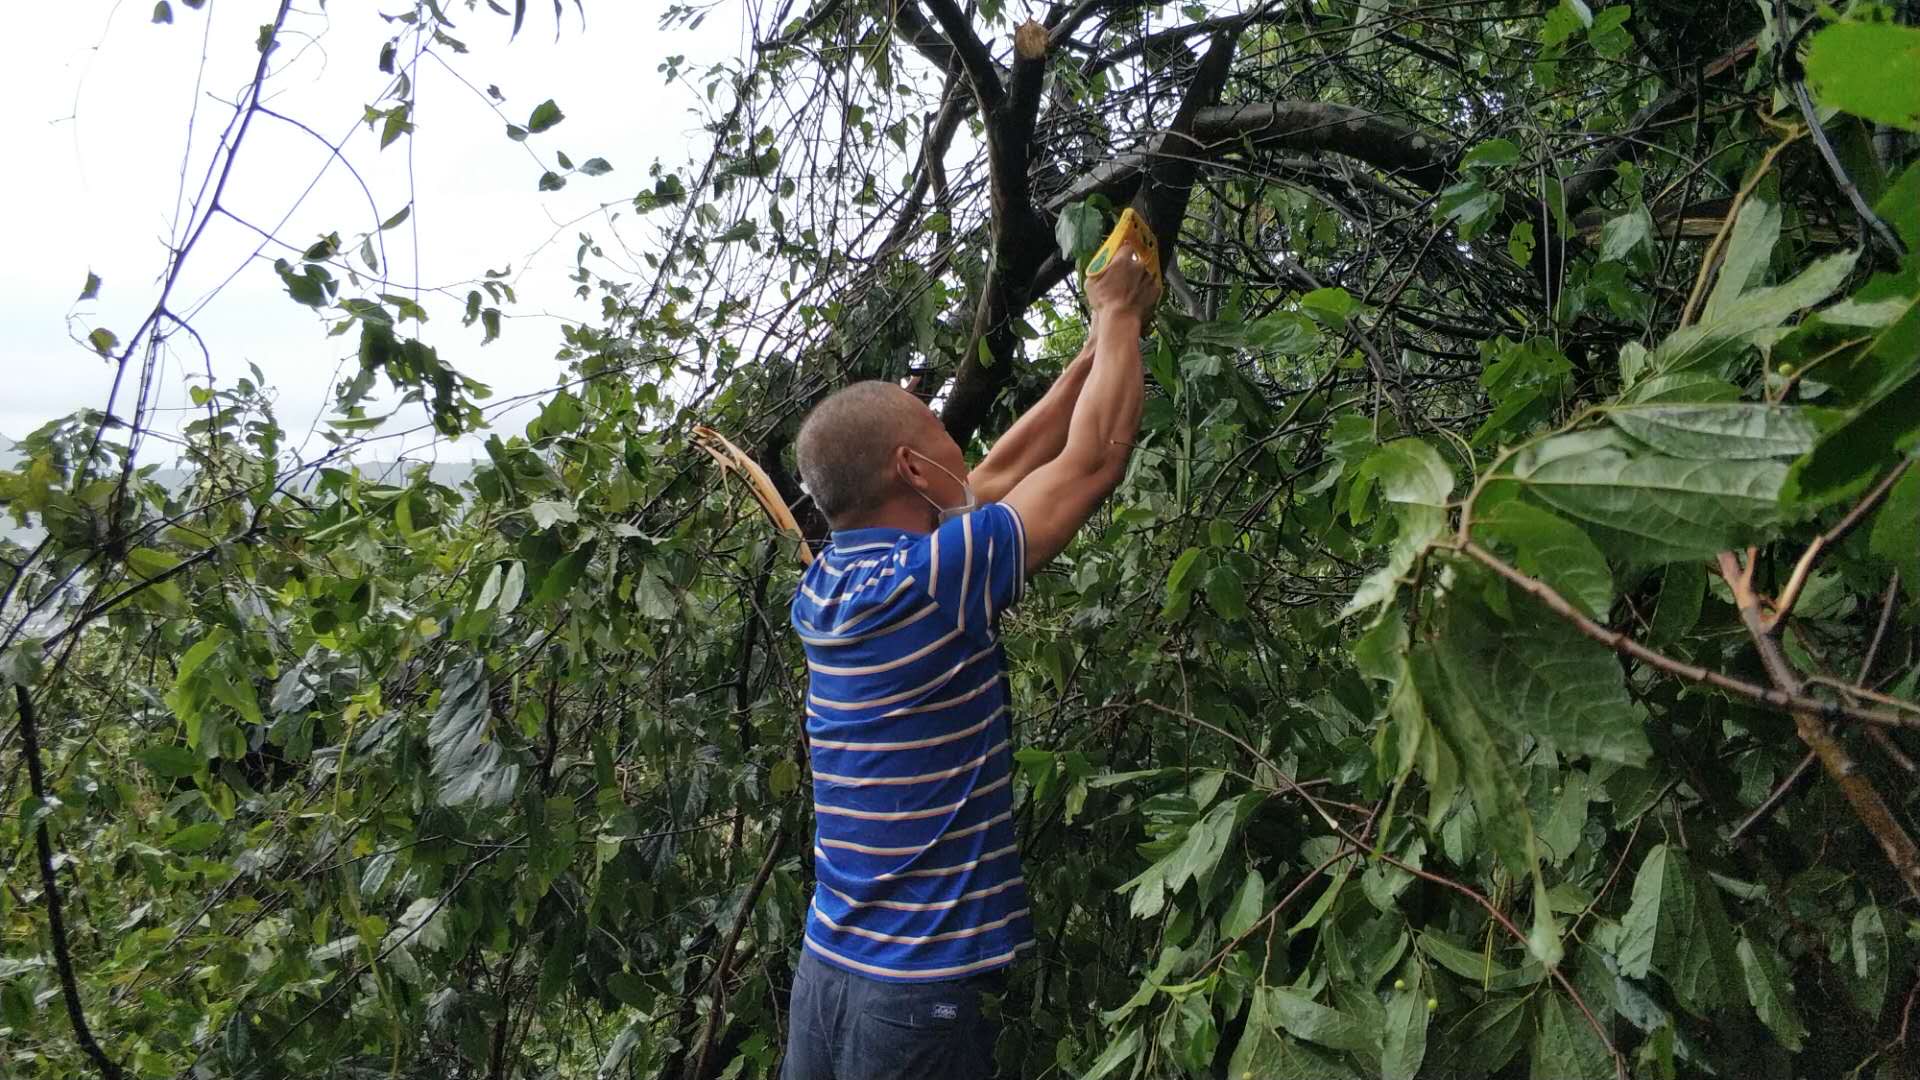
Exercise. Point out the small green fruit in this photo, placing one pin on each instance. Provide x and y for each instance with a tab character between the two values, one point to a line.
1432	1004
1399	984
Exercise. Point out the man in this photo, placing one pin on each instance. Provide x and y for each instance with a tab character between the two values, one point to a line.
920	904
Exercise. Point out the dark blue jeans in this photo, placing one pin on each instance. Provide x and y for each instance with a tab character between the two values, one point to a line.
847	1027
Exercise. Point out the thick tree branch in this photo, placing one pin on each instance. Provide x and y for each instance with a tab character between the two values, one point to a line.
50	891
973	53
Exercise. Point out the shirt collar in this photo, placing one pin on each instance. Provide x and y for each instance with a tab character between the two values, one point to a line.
879	534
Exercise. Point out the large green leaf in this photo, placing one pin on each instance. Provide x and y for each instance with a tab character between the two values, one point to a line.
1676	927
1771	993
1536	676
1713	344
1646	507
1870	69
1565	1046
1415	483
1552	549
1304	1018
1733	429
1755	232
1266	1052
468	761
1502	807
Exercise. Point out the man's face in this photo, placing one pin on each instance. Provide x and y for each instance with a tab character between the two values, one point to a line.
932	440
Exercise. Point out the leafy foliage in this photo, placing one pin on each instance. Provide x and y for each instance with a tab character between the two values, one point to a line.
1522	505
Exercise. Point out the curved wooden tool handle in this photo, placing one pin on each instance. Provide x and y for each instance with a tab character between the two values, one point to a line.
731	459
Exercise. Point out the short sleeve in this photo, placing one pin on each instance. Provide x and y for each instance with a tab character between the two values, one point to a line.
976	565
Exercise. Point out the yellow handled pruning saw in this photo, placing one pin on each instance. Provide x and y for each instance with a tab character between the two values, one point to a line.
732	459
1131	226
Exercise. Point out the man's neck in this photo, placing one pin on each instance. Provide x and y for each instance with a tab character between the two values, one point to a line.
897	514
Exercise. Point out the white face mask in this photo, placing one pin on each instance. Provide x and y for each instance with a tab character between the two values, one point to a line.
947	513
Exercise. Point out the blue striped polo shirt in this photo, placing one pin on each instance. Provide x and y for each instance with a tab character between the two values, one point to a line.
918	875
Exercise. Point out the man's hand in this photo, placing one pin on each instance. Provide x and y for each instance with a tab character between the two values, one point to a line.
1125	287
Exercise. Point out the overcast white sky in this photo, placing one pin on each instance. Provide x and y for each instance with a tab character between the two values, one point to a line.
98	104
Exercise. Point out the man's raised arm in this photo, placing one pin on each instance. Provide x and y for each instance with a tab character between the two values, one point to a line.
1037	437
1057	498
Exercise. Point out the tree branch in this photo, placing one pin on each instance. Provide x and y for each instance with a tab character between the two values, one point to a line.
1784	700
50	888
1790	595
972	52
1814	730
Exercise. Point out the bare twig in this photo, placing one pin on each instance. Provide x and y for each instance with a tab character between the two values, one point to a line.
1773	800
1811	557
50	889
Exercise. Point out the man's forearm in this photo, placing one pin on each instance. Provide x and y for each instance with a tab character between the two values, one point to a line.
1038	436
1107	416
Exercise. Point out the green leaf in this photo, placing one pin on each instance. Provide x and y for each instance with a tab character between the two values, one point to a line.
1537	676
1683	590
1872	948
170	762
1116	1054
1404	1046
1868	69
1493	152
1771	994
1713	344
1502	809
1624	234
1265	1053
1416	482
1894	526
1734	429
552	181
195	838
396	125
103	341
1647	507
1177	587
405	212
1079	231
597	166
1475	966
1245	910
1304	1018
91	289
1565	1046
1550	548
545	115
163	12
1331	305
1677	927
1755	232
547	513
469	765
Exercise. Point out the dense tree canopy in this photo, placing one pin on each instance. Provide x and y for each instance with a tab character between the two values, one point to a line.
1497	662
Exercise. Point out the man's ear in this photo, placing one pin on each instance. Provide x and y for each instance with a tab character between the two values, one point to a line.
910	469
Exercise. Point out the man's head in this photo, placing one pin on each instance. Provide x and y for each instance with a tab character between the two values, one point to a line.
873	454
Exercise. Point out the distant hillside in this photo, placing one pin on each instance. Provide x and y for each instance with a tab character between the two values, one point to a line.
453	474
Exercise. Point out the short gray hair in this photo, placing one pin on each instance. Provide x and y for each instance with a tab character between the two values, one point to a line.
846	446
